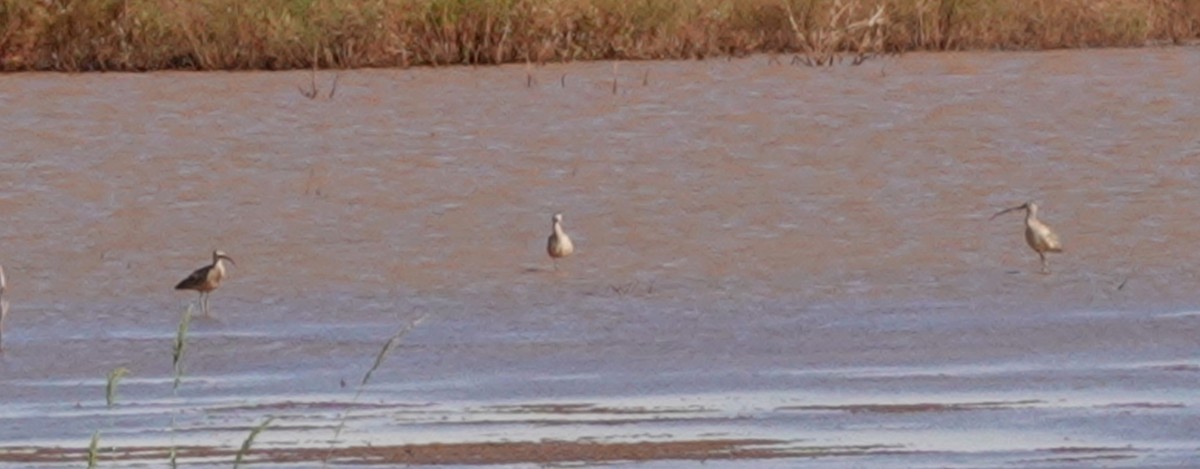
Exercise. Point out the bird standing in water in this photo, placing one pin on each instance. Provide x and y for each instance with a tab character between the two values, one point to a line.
1039	236
559	244
207	278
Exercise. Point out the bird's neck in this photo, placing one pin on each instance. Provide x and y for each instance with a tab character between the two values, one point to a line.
219	266
558	229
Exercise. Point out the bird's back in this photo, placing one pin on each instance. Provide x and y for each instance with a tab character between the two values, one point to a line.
198	280
559	246
1052	242
1041	238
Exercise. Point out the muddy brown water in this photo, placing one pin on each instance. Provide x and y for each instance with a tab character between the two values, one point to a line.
765	253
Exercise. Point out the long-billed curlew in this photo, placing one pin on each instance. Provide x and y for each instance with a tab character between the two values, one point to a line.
3	305
207	278
1037	234
559	244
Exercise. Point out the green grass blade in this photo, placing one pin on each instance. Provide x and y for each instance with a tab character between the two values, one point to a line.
250	441
388	346
114	377
181	345
178	350
93	454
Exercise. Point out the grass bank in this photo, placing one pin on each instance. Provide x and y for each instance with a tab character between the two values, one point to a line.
80	35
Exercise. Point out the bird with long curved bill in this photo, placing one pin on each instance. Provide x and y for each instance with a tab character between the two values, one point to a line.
1038	235
207	278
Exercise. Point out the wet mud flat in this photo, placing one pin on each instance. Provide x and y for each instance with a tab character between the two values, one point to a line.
775	265
545	452
992	433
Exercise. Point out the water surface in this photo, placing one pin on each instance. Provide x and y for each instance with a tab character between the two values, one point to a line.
764	252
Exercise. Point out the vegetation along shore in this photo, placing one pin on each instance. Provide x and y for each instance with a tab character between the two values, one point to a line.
87	35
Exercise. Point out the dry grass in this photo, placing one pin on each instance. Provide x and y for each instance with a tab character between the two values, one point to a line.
79	35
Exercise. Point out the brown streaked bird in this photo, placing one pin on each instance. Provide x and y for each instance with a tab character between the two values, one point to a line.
207	278
559	244
3	305
1039	236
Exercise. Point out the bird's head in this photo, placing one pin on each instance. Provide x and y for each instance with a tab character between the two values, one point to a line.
219	254
1032	207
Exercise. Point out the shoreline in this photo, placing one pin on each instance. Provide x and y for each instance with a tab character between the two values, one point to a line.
469	453
96	35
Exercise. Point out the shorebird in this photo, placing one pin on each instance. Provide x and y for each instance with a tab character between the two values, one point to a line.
207	278
559	244
3	305
1039	236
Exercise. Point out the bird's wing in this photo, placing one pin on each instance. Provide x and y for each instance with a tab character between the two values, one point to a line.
1052	241
198	277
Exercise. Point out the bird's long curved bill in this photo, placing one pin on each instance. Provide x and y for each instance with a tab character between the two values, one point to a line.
230	259
1002	212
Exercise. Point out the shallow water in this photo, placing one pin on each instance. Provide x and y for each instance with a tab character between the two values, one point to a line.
763	251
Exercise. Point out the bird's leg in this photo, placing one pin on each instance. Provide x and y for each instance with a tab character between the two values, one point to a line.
555	264
1045	266
204	303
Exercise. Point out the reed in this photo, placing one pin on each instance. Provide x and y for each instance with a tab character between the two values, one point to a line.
391	344
93	452
110	398
80	35
249	441
3	306
178	349
110	390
